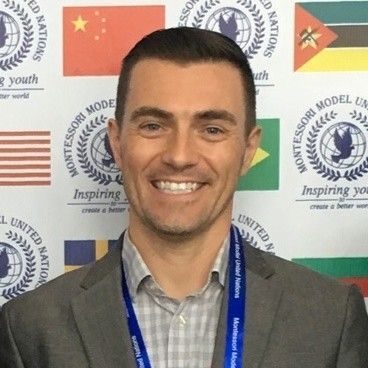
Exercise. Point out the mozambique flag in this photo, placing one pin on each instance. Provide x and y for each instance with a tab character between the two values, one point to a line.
96	38
331	36
78	253
349	270
264	172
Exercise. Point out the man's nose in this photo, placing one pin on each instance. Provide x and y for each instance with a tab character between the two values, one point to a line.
180	150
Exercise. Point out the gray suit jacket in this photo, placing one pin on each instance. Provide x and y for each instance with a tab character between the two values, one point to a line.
294	318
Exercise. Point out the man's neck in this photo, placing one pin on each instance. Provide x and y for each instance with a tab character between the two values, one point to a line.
180	266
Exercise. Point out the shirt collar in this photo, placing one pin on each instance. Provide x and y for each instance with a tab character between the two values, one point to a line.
136	274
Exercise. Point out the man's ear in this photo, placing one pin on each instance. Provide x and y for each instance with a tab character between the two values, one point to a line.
252	143
113	131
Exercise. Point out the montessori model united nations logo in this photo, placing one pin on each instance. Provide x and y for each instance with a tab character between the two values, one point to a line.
23	33
86	146
24	261
331	138
253	232
252	24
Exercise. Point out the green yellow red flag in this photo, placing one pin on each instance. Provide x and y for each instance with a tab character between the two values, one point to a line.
351	270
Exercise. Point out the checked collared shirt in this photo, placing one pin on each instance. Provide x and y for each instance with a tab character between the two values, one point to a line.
177	333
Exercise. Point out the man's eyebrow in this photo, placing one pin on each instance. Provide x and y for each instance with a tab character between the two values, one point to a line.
216	115
150	111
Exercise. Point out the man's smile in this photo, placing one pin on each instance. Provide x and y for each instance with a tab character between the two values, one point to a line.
175	187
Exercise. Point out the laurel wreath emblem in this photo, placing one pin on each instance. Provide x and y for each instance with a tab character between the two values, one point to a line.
318	165
203	10
260	28
259	23
30	270
21	54
360	118
82	149
250	239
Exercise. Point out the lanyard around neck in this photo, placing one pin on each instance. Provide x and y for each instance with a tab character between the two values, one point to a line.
235	330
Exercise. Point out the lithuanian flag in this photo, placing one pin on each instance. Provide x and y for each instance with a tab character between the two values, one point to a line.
78	253
331	36
349	270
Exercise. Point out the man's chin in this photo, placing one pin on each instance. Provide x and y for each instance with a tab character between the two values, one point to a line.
175	230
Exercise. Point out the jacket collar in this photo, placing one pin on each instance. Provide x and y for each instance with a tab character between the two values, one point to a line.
100	316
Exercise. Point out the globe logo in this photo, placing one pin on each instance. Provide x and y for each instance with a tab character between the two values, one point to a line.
9	34
343	145
11	265
231	22
101	152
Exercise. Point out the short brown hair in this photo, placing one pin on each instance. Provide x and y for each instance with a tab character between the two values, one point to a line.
186	45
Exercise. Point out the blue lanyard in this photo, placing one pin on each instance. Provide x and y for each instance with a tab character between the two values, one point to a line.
235	333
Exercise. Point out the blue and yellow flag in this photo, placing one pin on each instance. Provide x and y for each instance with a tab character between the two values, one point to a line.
78	253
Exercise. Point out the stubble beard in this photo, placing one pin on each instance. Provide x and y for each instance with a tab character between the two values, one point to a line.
173	230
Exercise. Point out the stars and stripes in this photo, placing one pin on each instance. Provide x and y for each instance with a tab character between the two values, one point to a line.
25	158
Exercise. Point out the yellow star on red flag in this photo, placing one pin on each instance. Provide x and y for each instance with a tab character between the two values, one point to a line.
96	38
80	24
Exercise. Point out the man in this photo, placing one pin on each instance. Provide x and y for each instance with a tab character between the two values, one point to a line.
176	292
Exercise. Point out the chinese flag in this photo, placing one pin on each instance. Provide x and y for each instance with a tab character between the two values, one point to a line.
96	38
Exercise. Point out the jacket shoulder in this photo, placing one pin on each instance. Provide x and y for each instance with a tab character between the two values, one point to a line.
56	295
298	279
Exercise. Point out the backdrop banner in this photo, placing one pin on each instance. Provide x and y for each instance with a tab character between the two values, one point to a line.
62	201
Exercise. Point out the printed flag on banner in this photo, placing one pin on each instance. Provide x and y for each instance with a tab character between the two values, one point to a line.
95	38
78	253
331	36
264	172
349	270
25	158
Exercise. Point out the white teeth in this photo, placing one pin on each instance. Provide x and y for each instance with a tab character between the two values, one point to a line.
177	188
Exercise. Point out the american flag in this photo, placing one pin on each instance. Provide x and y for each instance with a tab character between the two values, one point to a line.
25	158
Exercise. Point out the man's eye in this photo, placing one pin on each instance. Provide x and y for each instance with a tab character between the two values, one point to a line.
214	130
152	127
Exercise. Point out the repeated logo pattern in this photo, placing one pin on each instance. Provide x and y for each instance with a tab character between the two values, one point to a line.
24	261
86	145
16	39
328	147
335	139
94	153
249	23
342	147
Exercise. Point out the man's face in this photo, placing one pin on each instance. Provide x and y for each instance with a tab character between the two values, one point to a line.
182	144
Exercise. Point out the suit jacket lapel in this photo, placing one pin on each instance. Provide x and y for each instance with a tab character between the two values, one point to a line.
99	314
263	297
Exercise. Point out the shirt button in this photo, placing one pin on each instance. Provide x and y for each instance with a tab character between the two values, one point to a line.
182	320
